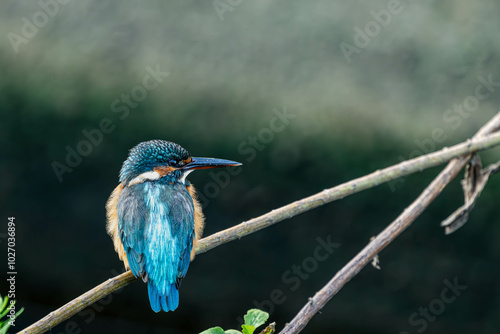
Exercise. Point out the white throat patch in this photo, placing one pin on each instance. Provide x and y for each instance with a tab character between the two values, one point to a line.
144	176
184	175
152	176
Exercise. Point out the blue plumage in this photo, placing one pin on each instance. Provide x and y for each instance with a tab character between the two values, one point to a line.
156	220
152	216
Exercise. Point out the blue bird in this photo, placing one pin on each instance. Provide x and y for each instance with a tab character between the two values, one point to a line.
155	219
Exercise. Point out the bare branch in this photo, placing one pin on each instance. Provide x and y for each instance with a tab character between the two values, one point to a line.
329	195
405	219
288	211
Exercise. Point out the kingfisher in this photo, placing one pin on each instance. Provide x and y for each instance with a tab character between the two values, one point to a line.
155	219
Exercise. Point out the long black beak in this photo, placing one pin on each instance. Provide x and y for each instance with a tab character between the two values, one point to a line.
204	163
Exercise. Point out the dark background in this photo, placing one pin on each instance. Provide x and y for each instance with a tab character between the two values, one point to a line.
228	73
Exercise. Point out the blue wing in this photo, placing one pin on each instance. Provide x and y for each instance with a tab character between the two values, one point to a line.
156	224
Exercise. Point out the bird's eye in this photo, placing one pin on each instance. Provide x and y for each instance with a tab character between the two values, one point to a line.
173	163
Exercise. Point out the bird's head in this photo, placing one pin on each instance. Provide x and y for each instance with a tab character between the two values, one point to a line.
160	159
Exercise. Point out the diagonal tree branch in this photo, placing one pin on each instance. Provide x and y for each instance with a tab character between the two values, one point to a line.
329	195
288	211
391	232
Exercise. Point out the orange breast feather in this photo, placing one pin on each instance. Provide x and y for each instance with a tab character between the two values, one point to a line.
199	219
112	225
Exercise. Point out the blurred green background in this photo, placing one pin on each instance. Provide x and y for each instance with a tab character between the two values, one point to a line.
231	65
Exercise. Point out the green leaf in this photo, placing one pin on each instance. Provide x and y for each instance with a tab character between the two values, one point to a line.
213	330
248	329
232	331
5	325
4	309
19	312
4	313
256	318
5	328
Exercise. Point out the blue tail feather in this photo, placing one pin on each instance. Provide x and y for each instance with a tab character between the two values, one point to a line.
173	297
167	302
154	299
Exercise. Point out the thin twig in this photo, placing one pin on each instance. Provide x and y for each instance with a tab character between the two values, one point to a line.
288	211
473	184
405	219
